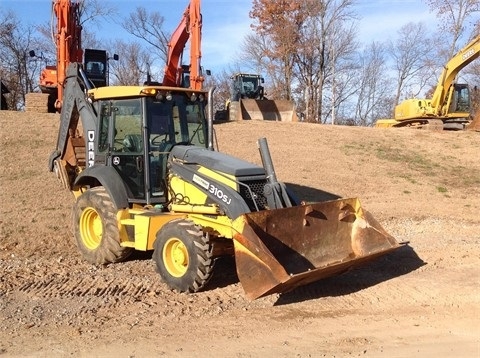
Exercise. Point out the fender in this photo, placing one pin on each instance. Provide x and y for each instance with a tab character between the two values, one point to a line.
110	179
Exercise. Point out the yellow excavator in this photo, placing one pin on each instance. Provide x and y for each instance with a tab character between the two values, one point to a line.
141	164
449	108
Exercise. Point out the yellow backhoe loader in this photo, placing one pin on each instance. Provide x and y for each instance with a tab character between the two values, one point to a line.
141	164
449	108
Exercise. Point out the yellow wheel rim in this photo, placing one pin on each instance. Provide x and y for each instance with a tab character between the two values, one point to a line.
175	257
91	228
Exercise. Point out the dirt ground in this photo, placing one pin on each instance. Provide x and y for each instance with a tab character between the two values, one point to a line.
420	301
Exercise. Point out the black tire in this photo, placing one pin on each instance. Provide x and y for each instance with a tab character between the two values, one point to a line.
96	228
183	256
4	105
52	98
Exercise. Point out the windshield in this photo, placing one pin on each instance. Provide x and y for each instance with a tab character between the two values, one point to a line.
250	83
171	122
176	121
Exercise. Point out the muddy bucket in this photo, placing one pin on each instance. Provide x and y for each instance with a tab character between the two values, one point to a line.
278	250
268	110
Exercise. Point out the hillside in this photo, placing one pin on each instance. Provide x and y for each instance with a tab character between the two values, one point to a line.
422	300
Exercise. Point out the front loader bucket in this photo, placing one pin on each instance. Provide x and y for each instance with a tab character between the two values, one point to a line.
267	110
278	250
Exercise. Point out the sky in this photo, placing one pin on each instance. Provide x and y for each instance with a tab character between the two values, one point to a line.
227	22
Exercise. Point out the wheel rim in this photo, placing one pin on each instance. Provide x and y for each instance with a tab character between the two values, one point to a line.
91	228
175	257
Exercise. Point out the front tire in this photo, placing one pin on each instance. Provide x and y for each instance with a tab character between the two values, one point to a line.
183	256
96	228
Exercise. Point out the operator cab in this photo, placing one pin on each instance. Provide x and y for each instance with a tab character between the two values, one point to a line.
96	66
247	86
461	99
137	134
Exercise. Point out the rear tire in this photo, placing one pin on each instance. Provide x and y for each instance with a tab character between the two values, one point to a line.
183	256
96	228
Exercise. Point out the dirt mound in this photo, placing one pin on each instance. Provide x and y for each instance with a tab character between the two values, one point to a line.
423	300
36	102
475	124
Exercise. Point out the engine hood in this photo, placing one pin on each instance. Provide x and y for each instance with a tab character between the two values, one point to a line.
216	161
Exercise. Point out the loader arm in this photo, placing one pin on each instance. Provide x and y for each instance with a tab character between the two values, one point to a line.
441	96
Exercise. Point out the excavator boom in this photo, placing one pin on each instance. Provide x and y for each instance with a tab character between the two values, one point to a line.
67	38
464	57
190	27
69	48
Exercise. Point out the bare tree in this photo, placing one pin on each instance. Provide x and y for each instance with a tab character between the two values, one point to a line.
323	56
93	11
306	41
147	26
256	51
221	82
132	66
373	86
411	53
278	22
16	71
454	16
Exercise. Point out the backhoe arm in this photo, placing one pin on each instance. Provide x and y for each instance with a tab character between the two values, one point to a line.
75	105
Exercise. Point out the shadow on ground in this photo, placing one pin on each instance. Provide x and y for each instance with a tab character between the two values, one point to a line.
396	264
224	273
305	193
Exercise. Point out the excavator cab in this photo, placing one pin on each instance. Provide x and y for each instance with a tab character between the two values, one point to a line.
247	86
95	64
460	99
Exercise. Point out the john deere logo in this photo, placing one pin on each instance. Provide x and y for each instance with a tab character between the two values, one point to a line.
91	148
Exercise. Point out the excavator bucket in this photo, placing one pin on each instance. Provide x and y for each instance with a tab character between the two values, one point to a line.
269	110
278	250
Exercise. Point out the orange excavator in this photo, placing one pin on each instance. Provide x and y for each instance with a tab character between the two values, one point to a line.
68	42
190	27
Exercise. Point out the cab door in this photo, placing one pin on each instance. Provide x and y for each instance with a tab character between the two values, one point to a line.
121	122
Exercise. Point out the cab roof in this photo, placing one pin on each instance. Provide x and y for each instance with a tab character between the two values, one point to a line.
136	91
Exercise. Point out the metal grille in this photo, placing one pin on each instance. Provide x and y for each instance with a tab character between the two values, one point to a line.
252	192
